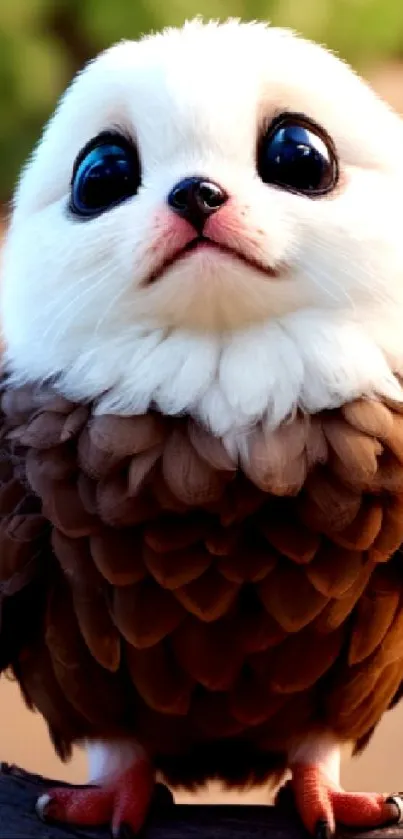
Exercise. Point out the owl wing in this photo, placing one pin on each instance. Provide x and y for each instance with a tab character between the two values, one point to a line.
27	567
24	546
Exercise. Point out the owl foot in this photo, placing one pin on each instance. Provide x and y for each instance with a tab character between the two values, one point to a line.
321	803
123	802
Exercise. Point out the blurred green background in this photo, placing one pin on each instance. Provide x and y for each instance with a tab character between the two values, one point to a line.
44	42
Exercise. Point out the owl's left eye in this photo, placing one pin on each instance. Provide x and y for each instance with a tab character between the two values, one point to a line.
296	155
106	172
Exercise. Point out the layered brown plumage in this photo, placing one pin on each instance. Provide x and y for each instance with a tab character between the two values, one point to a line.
151	586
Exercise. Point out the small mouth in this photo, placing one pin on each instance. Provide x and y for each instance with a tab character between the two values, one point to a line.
200	243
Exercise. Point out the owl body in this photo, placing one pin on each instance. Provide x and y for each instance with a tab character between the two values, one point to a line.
202	413
214	615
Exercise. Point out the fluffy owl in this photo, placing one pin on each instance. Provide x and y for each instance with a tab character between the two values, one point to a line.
201	496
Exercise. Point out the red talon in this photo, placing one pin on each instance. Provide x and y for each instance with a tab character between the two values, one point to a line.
321	803
122	802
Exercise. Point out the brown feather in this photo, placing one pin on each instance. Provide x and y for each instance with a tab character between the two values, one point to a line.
189	477
370	417
276	461
334	570
354	453
299	661
374	614
41	690
192	602
390	536
326	503
170	533
209	597
131	609
173	569
159	679
99	698
250	560
290	598
297	542
250	701
211	717
363	530
118	555
89	592
338	611
210	653
115	502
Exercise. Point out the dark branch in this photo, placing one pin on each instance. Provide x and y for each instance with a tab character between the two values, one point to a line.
18	820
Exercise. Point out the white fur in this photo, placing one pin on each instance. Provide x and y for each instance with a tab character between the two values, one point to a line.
212	336
321	750
110	759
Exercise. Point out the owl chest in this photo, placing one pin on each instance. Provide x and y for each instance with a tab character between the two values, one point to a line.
224	595
226	625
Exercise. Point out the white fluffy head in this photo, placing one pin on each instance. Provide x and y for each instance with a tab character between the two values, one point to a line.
318	321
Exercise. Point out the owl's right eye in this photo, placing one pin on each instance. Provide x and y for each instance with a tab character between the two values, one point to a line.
106	173
298	156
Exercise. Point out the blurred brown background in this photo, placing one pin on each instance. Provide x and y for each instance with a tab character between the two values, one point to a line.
42	44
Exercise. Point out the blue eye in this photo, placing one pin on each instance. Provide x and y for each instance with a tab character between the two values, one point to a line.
106	173
296	155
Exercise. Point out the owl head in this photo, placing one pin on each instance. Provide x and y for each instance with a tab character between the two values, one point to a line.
211	223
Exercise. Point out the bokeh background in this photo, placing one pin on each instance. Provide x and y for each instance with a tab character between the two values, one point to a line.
42	44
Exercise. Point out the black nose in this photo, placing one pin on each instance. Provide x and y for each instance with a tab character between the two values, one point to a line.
195	199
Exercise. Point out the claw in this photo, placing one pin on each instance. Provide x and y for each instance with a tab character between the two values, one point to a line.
123	803
322	829
124	832
321	804
397	801
41	806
